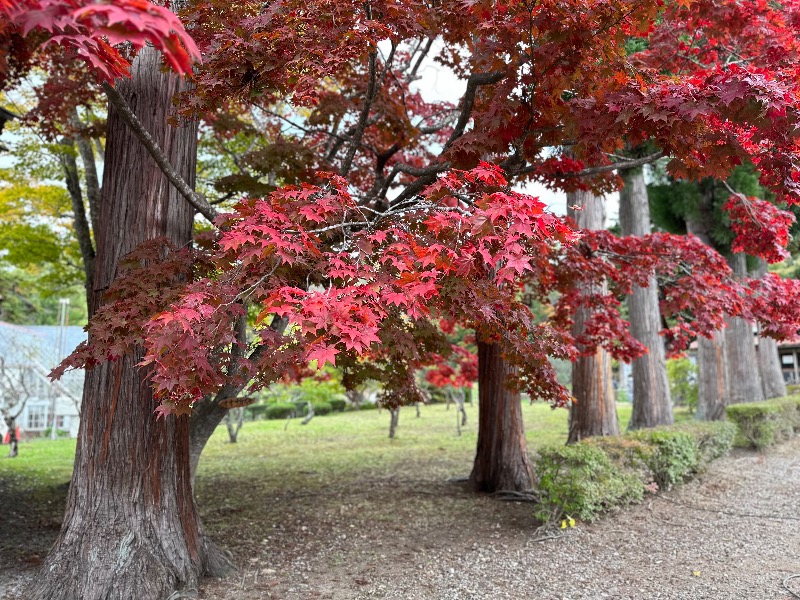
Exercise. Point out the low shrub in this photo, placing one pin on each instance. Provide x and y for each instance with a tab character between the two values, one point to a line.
337	404
255	411
581	481
280	410
763	424
713	439
791	406
322	408
624	451
363	406
674	455
584	479
60	433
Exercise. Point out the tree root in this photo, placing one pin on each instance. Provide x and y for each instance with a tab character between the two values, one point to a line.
514	496
218	561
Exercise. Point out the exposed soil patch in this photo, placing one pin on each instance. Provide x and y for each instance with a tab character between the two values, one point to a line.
734	533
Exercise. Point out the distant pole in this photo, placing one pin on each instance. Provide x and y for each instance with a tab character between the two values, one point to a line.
61	342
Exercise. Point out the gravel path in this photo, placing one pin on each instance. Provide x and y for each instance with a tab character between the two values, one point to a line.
733	533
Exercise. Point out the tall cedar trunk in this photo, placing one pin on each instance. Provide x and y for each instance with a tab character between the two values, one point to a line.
594	411
652	405
501	459
712	361
744	384
131	529
769	360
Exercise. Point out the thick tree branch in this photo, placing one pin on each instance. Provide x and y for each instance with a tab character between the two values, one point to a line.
198	201
428	175
412	74
90	173
426	172
79	221
355	140
468	101
91	179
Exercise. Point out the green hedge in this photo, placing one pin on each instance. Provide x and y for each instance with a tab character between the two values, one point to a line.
581	481
255	411
337	404
674	455
584	479
280	410
322	408
714	439
763	424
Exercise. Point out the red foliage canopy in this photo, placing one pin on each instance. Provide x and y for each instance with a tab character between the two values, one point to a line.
399	213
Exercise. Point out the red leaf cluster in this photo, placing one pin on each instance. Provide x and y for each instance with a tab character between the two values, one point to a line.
91	30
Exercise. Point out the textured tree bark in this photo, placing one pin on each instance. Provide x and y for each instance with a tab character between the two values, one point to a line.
712	377
501	459
769	360
593	411
744	383
652	405
131	528
769	368
712	359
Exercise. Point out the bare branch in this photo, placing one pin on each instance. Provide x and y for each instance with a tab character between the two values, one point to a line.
198	201
626	164
412	74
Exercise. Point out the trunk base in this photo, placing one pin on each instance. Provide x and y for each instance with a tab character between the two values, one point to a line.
501	459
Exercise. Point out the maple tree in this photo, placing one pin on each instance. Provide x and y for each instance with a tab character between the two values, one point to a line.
365	214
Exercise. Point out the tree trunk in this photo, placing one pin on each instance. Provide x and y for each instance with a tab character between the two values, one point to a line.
593	411
131	528
13	441
501	459
769	360
652	405
394	419
744	383
234	421
712	377
355	397
712	362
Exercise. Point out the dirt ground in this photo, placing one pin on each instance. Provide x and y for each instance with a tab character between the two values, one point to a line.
733	533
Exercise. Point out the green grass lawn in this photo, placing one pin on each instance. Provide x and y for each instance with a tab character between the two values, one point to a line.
281	478
349	445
